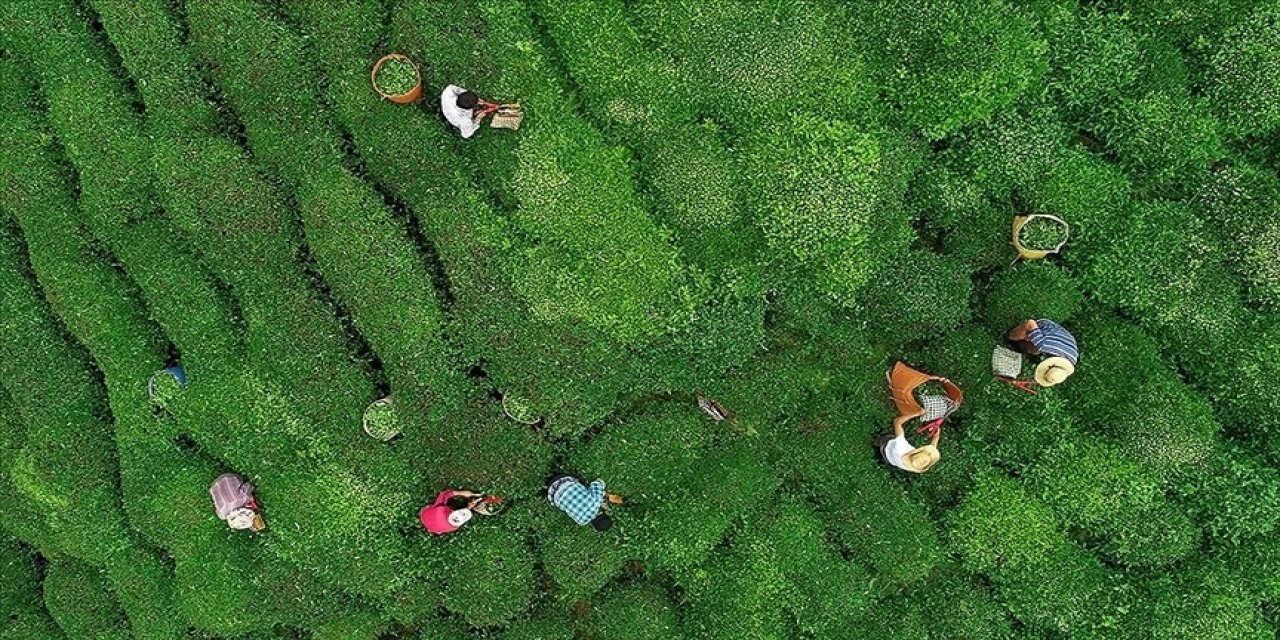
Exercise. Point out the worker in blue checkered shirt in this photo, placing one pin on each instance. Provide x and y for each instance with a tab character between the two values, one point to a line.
584	503
1051	340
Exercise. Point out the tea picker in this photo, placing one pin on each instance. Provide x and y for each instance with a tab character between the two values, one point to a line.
930	409
234	503
585	504
1048	338
465	110
453	508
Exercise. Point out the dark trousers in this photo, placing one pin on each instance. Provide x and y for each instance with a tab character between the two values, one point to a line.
879	444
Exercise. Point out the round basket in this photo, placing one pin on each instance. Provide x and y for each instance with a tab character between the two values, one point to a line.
507	412
176	371
1035	254
490	506
364	423
403	98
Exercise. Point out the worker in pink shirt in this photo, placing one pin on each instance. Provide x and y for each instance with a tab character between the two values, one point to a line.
450	511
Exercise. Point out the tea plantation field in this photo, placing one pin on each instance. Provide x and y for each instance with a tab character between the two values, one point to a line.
764	203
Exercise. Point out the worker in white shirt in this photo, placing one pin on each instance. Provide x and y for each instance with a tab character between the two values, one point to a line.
464	109
900	453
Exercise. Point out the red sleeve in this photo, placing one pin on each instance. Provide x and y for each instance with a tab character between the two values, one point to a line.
443	497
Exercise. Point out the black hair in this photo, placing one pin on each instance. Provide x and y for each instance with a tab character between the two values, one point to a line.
602	522
467	100
458	502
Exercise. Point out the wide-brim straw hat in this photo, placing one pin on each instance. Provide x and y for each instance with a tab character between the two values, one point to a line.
1053	371
241	518
921	459
459	517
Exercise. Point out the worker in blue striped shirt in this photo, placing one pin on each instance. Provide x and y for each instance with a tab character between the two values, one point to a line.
1048	338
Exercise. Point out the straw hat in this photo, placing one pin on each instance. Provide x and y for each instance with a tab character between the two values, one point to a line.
921	459
241	519
1053	371
459	517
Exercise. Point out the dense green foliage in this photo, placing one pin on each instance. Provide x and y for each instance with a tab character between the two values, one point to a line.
766	203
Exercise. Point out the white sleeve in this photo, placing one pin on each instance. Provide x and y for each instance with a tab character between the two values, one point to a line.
895	449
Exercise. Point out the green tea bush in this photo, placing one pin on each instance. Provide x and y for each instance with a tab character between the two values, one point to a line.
579	559
867	514
1239	202
639	453
1013	431
20	592
678	533
963	607
947	64
1030	291
22	612
90	111
489	322
1198	28
623	82
734	594
822	189
210	188
1127	383
1166	138
574	190
826	593
754	62
1095	57
1234	495
1090	194
1188	289
1044	579
1244	71
577	205
1013	148
548	623
1106	495
82	602
636	612
361	249
942	196
1202	600
488	575
918	295
766	204
685	165
1240	380
48	380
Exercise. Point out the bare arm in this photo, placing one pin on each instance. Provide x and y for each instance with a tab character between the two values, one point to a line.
1021	331
898	431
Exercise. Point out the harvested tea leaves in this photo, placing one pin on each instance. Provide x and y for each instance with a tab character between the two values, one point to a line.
381	421
519	410
165	389
396	77
1042	234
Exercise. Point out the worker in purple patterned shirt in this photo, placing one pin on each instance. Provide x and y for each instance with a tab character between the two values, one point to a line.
1048	338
